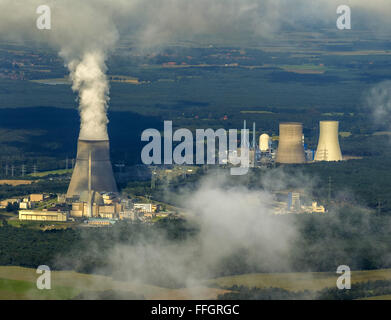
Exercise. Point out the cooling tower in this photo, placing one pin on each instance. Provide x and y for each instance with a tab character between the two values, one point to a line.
290	146
328	145
93	171
264	142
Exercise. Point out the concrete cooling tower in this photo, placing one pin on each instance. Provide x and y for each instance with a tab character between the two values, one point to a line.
93	171
290	146
328	145
264	142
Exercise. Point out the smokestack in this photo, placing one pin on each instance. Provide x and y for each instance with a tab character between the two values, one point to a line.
254	138
89	204
290	146
93	171
328	145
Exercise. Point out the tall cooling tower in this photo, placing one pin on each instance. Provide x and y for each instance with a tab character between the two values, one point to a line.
290	146
93	171
328	146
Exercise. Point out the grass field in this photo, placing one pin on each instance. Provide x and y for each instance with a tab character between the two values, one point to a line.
47	173
16	182
40	225
297	281
386	297
19	283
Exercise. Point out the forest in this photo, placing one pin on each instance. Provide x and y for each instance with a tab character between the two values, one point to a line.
357	291
349	236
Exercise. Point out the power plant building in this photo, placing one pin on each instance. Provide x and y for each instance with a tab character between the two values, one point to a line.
290	146
43	215
264	142
328	145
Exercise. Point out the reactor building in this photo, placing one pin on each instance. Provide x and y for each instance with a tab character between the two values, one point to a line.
93	172
264	142
328	145
290	146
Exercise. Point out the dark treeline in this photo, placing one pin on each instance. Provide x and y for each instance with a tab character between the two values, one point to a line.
357	291
348	237
43	186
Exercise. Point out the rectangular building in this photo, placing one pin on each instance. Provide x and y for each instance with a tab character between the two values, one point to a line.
43	215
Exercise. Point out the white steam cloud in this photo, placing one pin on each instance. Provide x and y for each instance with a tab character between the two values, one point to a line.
378	101
89	79
233	222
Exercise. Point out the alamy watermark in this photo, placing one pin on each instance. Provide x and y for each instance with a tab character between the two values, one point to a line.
344	21
183	153
344	281
44	280
44	21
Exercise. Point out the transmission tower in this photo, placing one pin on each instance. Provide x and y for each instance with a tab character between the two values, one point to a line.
153	179
379	206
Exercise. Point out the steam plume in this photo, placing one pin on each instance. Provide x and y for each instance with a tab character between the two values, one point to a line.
89	79
378	100
84	32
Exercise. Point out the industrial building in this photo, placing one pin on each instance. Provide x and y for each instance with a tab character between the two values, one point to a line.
4	203
97	222
43	215
38	197
145	207
296	202
328	145
290	146
264	142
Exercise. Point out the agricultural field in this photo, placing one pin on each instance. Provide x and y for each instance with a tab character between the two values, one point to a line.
313	281
19	283
15	182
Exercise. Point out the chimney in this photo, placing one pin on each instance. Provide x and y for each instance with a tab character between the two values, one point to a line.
328	145
93	171
290	147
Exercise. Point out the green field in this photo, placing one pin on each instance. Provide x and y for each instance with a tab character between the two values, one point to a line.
386	297
313	281
53	172
40	225
19	283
